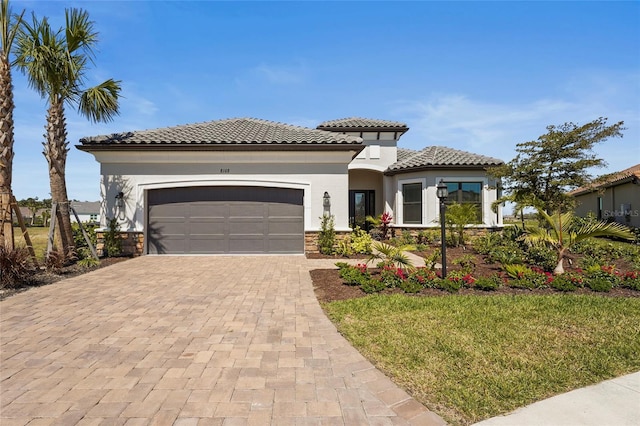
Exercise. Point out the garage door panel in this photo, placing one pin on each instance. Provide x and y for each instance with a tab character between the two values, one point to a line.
208	220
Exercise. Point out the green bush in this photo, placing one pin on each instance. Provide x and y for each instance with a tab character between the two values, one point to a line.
425	277
569	281
392	276
112	241
355	275
410	286
631	280
452	286
82	248
15	268
427	237
373	286
361	241
466	262
509	254
603	278
599	284
344	248
485	244
544	257
327	235
488	283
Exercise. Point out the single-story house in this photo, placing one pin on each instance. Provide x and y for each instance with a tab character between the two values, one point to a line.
245	185
615	197
87	211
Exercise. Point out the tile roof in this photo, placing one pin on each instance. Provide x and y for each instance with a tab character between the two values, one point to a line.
404	153
362	124
439	156
233	131
631	174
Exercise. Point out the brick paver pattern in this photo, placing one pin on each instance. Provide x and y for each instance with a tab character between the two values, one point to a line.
178	340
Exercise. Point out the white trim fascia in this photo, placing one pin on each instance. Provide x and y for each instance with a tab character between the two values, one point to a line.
360	166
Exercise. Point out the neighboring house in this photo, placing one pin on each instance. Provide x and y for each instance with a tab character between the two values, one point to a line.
246	185
615	197
87	211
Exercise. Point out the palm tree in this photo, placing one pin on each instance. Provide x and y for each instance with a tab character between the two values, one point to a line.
9	27
55	64
564	231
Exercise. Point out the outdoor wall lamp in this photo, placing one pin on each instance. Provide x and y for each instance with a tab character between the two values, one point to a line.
120	200
443	193
326	199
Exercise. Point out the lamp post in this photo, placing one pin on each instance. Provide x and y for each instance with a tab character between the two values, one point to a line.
442	193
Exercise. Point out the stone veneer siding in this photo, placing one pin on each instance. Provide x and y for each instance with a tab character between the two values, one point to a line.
132	243
311	240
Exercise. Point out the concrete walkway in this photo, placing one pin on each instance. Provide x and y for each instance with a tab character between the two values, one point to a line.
186	341
614	402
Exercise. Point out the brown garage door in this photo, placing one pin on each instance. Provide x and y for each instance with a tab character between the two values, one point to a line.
225	219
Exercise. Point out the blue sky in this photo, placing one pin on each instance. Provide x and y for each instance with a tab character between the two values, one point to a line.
477	76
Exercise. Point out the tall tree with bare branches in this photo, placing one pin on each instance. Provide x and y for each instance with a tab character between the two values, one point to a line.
9	24
55	63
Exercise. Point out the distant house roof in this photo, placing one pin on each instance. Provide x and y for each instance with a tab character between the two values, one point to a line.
439	157
362	124
632	174
251	133
86	207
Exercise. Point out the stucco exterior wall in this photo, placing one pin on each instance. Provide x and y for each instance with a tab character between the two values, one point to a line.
430	201
620	203
313	172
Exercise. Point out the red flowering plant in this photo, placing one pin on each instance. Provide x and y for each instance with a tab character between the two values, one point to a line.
392	276
631	280
423	276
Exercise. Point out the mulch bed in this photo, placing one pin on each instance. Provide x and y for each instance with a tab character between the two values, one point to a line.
329	286
43	277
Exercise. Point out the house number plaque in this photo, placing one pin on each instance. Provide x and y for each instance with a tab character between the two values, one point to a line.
224	171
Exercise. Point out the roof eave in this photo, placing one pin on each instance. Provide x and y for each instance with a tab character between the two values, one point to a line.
356	147
439	167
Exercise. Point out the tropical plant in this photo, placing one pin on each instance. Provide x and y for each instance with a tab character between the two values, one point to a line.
458	216
381	223
14	266
563	232
360	241
9	25
55	63
389	255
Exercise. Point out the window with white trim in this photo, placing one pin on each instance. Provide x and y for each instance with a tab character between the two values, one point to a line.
412	203
466	193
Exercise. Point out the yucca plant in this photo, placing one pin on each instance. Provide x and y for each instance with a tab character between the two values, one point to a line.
563	231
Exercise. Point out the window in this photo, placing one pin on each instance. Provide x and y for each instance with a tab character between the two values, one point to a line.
466	193
412	203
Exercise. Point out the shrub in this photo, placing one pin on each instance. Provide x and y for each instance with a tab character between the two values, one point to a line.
355	275
392	276
361	241
327	236
631	280
381	224
344	248
485	244
450	285
14	266
466	262
488	283
603	278
410	286
423	276
569	281
112	241
544	257
426	237
85	257
525	277
372	286
507	255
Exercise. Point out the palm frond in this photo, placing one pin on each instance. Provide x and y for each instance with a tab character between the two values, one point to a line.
10	25
100	103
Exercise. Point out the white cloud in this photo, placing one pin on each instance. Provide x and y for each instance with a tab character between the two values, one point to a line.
280	74
492	127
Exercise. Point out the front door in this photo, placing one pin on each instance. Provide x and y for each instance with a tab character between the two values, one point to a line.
361	204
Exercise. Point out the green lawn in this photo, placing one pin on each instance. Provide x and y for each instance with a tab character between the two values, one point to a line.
469	358
38	235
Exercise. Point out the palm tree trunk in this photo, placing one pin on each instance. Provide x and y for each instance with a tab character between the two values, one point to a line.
55	150
559	269
6	152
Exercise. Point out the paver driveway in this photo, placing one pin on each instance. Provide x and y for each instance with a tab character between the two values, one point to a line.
185	341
